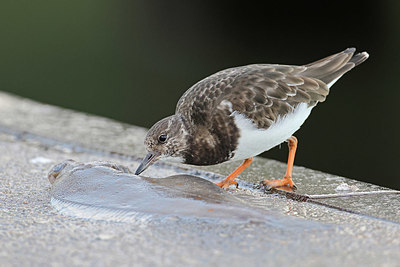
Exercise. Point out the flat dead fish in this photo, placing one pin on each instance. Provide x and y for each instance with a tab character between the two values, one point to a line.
107	191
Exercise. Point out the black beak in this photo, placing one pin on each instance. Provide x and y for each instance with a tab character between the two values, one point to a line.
150	158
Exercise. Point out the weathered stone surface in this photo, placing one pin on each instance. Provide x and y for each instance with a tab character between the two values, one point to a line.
34	137
327	189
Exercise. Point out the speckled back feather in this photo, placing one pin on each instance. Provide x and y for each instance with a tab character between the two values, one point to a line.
263	92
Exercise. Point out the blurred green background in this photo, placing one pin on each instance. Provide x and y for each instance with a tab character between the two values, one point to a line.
132	60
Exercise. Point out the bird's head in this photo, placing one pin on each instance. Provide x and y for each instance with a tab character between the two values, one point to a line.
167	139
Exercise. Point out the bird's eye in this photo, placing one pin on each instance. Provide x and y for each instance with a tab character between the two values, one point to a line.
162	138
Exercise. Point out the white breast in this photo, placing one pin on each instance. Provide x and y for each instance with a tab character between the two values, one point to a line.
254	141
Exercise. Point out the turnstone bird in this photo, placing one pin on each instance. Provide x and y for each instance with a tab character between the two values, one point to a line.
238	113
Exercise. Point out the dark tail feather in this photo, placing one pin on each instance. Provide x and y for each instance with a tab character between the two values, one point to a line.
331	68
359	58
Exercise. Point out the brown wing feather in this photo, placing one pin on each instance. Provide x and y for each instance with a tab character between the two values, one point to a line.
264	92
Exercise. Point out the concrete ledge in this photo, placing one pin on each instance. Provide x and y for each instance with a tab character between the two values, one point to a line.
342	221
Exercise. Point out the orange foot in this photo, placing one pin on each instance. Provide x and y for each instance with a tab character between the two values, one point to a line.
226	183
230	180
286	181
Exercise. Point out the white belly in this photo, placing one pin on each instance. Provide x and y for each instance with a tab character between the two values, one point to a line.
254	141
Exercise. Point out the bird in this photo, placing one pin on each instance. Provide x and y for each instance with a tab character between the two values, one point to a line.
241	112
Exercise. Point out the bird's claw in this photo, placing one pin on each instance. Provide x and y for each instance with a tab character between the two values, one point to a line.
268	185
225	184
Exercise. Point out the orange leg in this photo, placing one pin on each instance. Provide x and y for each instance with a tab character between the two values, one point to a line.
230	179
287	180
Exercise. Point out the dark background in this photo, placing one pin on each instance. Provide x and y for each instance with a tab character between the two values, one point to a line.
132	60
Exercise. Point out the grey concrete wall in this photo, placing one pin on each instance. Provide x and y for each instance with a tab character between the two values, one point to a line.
328	221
